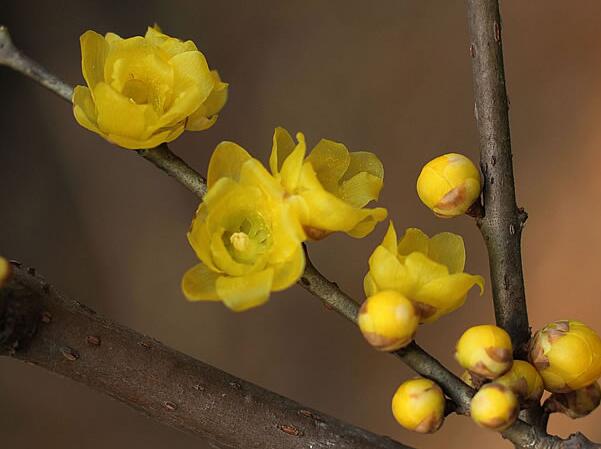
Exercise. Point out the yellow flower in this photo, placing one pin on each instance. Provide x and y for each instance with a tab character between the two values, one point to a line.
567	354
485	351
388	320
577	403
449	185
5	271
331	187
247	238
524	381
494	407
428	271
418	405
144	91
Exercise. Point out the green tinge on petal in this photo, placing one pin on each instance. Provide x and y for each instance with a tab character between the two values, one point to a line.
224	260
330	160
226	161
244	292
448	249
360	189
287	273
291	167
283	145
94	51
367	224
414	240
364	161
199	283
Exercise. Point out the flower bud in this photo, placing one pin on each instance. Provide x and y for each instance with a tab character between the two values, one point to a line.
524	381
485	351
388	320
494	407
5	271
418	405
449	185
567	354
577	403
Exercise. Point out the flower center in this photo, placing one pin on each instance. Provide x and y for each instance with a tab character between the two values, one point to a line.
137	91
239	241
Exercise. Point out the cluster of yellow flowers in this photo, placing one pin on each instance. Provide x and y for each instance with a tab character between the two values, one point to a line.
249	229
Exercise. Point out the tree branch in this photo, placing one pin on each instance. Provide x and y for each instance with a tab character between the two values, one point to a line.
40	326
502	223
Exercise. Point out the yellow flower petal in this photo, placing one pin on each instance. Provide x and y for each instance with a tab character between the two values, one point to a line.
330	160
364	161
413	240
252	173
171	45
367	224
226	161
84	109
94	50
290	271
447	293
369	285
361	189
291	167
283	145
242	293
423	269
388	273
200	241
112	38
198	283
206	115
448	249
390	239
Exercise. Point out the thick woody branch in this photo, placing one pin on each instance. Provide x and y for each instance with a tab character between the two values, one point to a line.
502	223
40	326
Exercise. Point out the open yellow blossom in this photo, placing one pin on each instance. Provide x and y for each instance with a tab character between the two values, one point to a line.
5	271
428	271
330	187
144	91
247	238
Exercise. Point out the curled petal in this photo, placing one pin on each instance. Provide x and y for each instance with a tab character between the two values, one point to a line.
414	240
448	249
283	145
288	272
330	160
226	162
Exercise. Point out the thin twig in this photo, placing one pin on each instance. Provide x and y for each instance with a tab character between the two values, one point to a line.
502	223
40	326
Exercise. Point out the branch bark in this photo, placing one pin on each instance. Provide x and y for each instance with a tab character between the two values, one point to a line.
502	223
40	326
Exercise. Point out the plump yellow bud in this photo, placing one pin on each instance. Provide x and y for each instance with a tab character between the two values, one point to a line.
494	407
567	354
145	90
577	403
388	320
485	350
418	405
5	271
449	185
524	381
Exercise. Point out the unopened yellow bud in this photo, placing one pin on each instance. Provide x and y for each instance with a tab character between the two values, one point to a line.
524	381
494	407
388	320
4	271
567	354
418	405
449	185
485	350
577	403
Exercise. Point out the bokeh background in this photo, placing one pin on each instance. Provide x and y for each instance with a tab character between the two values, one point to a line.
391	76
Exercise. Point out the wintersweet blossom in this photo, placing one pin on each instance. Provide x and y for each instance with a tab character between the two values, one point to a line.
145	90
428	271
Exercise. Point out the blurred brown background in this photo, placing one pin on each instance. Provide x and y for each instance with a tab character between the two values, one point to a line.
391	76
